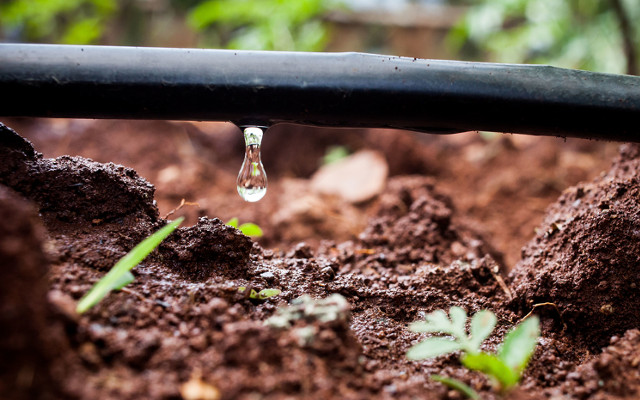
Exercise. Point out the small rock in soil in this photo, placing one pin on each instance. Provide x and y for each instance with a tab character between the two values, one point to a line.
357	178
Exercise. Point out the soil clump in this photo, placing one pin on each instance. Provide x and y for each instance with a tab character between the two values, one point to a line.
586	255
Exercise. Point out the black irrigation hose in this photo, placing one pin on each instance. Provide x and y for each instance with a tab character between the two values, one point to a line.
324	89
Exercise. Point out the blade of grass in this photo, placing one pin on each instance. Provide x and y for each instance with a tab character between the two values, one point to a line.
123	280
113	279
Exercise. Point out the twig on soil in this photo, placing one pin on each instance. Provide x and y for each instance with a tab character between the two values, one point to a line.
365	251
137	294
502	284
564	325
182	204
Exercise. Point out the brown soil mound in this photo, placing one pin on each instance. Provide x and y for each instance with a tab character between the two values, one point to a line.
586	256
32	341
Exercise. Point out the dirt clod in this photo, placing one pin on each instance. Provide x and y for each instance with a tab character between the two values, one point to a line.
209	247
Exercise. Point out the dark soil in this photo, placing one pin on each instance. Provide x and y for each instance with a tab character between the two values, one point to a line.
446	231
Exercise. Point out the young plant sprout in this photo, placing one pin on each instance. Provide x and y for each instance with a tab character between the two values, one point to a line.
120	276
504	368
261	295
249	229
334	153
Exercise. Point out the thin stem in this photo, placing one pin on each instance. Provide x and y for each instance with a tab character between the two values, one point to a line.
627	37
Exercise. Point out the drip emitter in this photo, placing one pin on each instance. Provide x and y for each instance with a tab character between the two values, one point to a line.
256	89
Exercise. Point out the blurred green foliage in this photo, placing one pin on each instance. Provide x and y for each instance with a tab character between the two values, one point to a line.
236	24
583	34
63	21
263	24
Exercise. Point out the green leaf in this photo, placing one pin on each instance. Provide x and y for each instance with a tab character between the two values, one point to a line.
86	31
233	222
432	347
123	280
334	153
115	276
457	385
251	229
266	293
436	321
263	294
458	320
519	344
492	366
482	325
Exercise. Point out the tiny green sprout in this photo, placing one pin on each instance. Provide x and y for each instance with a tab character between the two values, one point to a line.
504	368
249	229
120	274
261	295
331	308
334	153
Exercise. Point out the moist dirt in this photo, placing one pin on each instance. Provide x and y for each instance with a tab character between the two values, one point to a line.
507	223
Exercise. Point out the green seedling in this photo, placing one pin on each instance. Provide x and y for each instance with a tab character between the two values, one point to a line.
261	295
334	307
504	368
120	274
334	153
249	229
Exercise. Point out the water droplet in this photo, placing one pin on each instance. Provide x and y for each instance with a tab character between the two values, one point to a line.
252	179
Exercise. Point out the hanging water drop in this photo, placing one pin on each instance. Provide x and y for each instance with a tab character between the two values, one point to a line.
252	179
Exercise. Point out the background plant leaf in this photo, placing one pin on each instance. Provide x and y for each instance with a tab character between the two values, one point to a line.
233	222
266	293
251	229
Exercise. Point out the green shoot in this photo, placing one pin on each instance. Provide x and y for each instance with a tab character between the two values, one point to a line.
119	276
334	153
504	368
457	385
123	280
261	295
249	229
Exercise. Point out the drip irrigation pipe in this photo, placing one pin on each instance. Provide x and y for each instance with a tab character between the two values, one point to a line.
322	89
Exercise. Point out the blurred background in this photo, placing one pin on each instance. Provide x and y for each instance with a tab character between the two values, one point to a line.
599	35
500	185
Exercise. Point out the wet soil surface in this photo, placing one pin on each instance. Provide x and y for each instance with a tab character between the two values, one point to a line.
447	230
